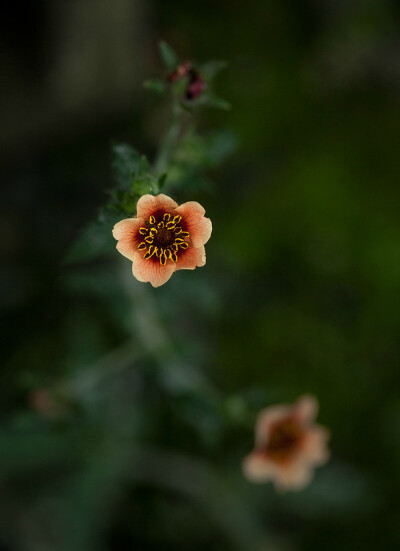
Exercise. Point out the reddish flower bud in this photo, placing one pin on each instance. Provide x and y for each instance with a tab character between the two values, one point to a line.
180	72
196	86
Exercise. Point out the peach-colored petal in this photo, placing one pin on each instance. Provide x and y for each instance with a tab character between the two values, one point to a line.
127	233
266	418
191	258
148	204
293	477
195	223
151	270
257	468
315	448
306	408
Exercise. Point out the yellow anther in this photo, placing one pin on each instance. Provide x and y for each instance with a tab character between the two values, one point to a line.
174	246
178	230
152	220
179	240
152	250
149	239
160	251
170	225
160	225
185	234
153	232
177	219
174	257
163	259
166	217
143	231
142	246
184	245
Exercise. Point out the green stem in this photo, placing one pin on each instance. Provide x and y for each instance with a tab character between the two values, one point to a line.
170	141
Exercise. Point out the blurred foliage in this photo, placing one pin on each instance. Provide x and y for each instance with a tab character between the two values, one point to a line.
298	295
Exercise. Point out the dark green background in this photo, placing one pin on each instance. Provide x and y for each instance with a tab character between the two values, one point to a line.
300	292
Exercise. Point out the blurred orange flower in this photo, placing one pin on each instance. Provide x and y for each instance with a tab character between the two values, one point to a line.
163	238
288	445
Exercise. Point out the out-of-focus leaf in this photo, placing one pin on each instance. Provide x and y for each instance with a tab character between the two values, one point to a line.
218	103
168	56
206	100
154	85
162	180
210	69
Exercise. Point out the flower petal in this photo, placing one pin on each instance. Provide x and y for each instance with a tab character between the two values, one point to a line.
195	223
266	418
315	447
296	476
127	233
258	468
191	258
149	204
151	270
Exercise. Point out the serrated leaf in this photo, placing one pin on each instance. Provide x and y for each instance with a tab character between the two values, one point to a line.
168	56
142	186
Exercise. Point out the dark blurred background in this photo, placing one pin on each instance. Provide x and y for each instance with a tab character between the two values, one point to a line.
300	292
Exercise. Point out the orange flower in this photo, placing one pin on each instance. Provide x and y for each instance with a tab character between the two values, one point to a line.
288	445
163	237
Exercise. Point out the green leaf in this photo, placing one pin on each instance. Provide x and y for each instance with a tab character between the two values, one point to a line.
161	180
157	86
210	69
168	56
141	186
144	165
218	103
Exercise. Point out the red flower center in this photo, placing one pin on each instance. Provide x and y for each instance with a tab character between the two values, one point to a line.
285	439
163	238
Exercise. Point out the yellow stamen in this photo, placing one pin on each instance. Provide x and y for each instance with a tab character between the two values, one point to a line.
150	252
143	231
153	232
163	259
178	230
160	225
142	246
152	220
177	219
184	245
170	225
185	234
149	239
174	257
166	217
